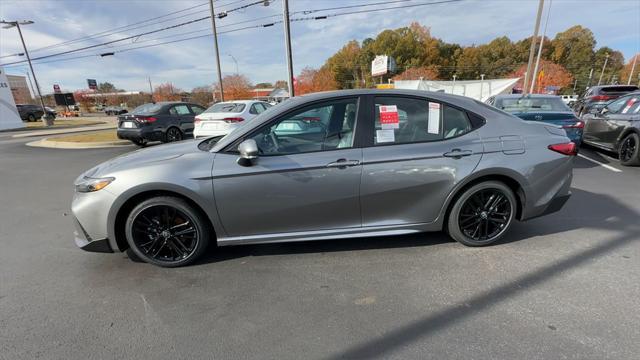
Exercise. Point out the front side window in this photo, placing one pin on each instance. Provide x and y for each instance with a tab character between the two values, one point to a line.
326	126
400	120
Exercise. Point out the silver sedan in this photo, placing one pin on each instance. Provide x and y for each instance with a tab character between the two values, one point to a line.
332	165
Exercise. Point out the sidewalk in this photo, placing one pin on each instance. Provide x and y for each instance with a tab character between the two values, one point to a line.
44	132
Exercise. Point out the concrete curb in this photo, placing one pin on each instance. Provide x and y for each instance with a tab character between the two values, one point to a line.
65	131
46	143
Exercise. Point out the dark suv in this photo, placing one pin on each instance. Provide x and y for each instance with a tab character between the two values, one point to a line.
616	128
596	97
30	112
162	121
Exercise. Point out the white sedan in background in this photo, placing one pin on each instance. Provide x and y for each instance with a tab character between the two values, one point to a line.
223	117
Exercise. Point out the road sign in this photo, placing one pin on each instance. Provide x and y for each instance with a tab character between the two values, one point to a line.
385	86
382	64
65	99
56	88
93	84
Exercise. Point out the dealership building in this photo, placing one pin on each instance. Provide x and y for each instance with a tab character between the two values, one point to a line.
19	89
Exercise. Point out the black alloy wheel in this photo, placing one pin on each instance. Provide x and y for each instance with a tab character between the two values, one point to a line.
630	150
166	231
482	214
31	117
173	134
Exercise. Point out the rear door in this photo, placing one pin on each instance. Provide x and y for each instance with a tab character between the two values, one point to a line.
182	117
416	151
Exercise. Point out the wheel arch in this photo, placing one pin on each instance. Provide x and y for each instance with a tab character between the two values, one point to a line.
127	201
516	182
624	134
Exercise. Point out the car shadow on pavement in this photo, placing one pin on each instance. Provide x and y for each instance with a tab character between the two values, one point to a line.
609	215
577	213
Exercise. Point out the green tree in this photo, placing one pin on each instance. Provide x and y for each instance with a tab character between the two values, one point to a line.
264	85
106	87
573	49
614	65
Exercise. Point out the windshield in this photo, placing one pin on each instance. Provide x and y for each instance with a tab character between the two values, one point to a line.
226	107
147	109
256	120
533	104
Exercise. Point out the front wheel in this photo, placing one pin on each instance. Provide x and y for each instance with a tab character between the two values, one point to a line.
167	231
482	214
630	150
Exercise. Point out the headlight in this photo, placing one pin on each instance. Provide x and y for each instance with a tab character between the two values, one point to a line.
92	184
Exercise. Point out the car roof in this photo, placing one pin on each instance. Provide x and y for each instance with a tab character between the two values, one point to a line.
239	102
533	96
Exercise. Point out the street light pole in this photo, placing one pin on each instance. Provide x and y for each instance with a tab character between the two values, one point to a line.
287	37
532	49
9	24
453	86
236	61
544	32
603	67
215	46
633	67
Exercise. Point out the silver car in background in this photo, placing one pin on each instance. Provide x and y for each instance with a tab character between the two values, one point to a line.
354	163
224	117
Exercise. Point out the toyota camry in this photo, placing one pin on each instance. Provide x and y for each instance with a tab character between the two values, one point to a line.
342	164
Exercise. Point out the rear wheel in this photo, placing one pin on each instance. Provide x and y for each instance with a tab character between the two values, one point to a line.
630	150
173	134
167	231
31	117
482	214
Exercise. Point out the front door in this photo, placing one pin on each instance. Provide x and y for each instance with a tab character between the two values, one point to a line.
306	178
419	150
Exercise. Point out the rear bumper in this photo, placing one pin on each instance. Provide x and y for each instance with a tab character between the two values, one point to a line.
139	134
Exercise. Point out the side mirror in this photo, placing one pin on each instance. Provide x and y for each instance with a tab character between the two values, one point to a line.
248	152
594	111
604	110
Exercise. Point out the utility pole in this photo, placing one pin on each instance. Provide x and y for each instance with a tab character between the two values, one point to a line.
606	59
481	85
9	24
633	67
236	61
575	84
287	38
590	78
532	49
150	88
215	46
544	32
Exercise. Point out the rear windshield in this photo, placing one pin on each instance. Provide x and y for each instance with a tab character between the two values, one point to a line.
226	107
525	104
616	89
147	109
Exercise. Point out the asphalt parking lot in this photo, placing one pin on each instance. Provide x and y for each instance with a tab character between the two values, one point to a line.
565	286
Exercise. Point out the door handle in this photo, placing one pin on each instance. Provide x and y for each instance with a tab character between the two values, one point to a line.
343	163
458	153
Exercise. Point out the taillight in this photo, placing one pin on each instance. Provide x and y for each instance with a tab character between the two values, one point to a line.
146	119
576	125
569	148
602	97
196	121
233	119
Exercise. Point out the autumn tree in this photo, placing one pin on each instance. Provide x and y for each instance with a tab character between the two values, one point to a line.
236	87
573	49
312	80
166	92
85	101
415	73
626	71
106	87
549	74
281	84
264	85
202	95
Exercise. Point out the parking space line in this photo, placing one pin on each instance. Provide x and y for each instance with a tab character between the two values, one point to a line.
609	167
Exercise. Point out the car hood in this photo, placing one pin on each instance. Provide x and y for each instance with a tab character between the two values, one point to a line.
143	157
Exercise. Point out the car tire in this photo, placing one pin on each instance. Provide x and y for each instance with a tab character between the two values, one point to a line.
482	214
173	134
167	231
31	118
629	152
140	142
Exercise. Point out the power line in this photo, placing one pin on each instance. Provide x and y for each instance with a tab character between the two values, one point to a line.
233	30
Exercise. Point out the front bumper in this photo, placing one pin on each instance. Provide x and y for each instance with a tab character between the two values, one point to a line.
85	242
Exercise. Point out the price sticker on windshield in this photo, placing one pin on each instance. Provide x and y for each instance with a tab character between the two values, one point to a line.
433	126
389	118
629	105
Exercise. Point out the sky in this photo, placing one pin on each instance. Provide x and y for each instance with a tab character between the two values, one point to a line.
260	51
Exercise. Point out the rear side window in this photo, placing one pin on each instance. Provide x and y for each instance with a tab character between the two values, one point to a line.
197	109
618	89
180	110
455	121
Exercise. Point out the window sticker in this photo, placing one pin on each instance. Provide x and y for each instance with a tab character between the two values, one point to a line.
389	118
629	105
434	118
385	136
